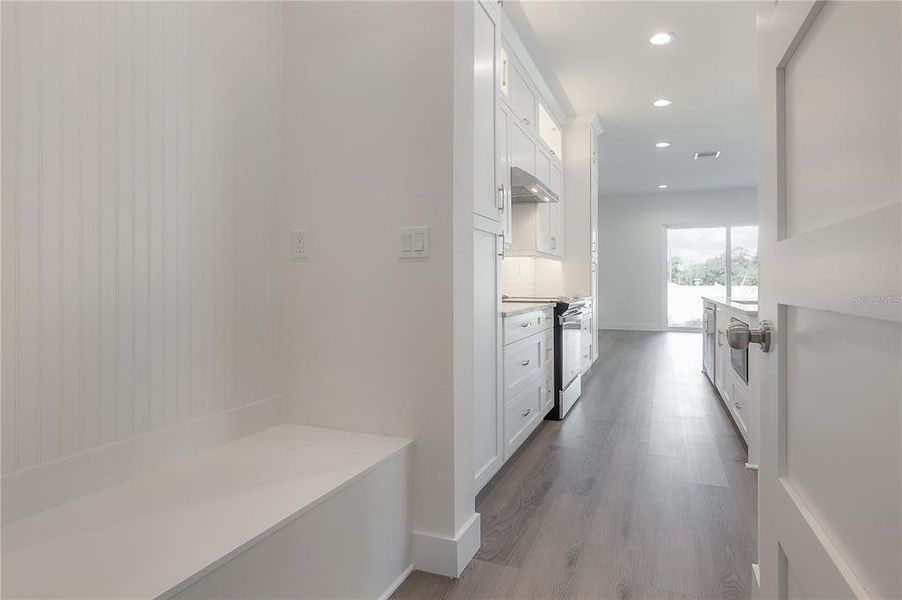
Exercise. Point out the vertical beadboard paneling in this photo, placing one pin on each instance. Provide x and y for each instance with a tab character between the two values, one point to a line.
9	178
155	49
89	77
108	307
138	253
29	249
51	229
140	223
71	134
125	209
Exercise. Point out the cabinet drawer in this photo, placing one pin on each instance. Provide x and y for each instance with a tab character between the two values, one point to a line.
523	361
521	415
517	327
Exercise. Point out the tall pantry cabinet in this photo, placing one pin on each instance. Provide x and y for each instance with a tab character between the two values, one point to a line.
491	210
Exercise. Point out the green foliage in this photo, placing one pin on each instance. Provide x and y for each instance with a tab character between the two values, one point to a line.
713	270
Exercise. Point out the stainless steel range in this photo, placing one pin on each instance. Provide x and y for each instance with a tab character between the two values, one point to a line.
571	315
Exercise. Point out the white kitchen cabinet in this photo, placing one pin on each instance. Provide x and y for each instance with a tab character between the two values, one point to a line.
555	233
486	199
487	369
522	148
503	166
579	218
549	131
593	220
528	388
543	165
488	246
521	97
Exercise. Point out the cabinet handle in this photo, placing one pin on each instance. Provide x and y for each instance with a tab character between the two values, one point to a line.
737	405
499	203
524	324
525	363
553	243
527	413
501	252
525	121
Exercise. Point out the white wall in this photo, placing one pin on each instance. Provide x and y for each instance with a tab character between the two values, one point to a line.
631	248
140	173
369	109
155	158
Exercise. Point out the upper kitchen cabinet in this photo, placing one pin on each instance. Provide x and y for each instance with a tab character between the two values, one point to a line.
550	132
488	201
522	148
520	96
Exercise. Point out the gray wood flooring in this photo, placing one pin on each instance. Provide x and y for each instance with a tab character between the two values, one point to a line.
642	492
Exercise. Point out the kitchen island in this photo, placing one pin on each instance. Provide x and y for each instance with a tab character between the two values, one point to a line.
735	373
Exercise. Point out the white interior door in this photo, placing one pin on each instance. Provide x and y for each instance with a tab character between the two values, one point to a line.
830	512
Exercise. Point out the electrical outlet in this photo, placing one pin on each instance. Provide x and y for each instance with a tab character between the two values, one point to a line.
299	248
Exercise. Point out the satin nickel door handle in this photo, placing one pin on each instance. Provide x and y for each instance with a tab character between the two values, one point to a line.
740	336
525	363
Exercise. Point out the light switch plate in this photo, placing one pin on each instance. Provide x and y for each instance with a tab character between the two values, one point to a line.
413	242
299	247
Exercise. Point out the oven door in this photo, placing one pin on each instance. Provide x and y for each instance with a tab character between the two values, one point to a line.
571	345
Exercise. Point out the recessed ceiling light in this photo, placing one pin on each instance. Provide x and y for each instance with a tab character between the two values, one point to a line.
661	39
662	145
663	186
662	102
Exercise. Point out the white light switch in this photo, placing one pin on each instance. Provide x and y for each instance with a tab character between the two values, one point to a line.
299	248
413	242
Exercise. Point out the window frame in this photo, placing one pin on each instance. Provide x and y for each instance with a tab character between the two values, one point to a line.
728	271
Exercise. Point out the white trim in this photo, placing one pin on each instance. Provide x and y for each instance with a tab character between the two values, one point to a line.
397	583
751	466
592	120
756	582
443	555
41	487
632	326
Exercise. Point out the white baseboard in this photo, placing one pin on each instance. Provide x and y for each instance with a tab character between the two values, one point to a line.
444	555
396	583
756	582
751	466
632	327
38	488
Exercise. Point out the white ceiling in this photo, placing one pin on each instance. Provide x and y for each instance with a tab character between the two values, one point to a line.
603	62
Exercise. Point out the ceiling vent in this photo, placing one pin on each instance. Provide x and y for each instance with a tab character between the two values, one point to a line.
714	154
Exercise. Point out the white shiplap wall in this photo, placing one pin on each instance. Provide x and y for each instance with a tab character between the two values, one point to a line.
140	153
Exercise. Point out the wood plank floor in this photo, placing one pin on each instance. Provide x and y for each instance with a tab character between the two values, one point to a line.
642	492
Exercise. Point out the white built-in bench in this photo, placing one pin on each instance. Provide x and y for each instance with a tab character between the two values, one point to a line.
292	511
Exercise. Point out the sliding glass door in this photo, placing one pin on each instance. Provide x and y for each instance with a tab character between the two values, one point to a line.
696	267
720	261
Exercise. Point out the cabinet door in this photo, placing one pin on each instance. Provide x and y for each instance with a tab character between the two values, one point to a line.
556	229
543	166
486	201
503	165
523	101
522	148
488	431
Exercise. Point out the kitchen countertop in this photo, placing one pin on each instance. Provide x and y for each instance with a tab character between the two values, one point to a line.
743	307
509	309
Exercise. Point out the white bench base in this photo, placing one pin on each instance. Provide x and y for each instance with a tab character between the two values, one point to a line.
292	511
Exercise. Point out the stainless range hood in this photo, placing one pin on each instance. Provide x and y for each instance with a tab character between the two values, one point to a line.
526	188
